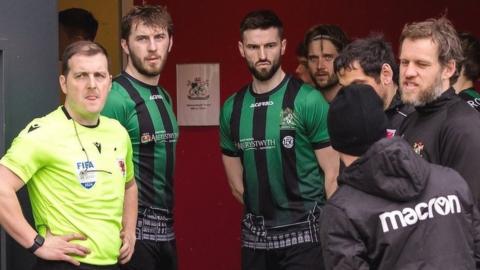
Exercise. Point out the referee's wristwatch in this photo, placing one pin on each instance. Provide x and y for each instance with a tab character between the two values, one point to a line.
37	243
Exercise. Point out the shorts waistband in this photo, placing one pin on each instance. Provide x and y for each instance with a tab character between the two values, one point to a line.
257	236
155	224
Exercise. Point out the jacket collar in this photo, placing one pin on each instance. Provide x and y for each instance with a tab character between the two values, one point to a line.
445	98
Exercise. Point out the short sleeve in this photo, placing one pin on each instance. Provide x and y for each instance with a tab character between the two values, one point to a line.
227	144
314	110
129	159
24	157
116	106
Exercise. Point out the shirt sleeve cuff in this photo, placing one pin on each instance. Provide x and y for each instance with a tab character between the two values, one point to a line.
230	153
320	145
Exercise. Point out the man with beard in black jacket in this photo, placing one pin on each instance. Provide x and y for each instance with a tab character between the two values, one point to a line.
443	129
393	209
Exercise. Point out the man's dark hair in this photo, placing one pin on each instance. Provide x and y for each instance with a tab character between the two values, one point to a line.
471	56
77	21
261	19
83	47
328	32
150	15
371	53
301	50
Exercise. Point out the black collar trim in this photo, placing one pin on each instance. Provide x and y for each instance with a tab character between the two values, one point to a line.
284	80
70	118
146	85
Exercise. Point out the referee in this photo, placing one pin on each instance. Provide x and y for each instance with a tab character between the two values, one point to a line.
77	166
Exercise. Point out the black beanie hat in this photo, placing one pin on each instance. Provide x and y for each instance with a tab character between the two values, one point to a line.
356	119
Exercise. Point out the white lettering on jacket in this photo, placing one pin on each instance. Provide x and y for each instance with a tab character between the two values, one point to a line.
443	206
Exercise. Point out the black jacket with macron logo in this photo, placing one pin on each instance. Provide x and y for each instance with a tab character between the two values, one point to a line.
394	210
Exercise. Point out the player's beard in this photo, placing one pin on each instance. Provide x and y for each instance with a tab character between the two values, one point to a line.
329	84
143	67
264	74
426	95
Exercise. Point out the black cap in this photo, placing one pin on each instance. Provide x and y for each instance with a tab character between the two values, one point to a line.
356	119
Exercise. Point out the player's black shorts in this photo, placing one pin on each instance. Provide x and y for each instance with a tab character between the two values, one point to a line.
153	255
304	256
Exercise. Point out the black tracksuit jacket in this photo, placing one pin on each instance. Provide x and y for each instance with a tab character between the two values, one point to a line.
394	210
397	112
447	132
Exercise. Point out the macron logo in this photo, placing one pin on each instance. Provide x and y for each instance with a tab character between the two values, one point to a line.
443	206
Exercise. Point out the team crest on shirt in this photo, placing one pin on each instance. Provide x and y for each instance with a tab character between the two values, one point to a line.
86	173
121	165
288	119
288	142
418	148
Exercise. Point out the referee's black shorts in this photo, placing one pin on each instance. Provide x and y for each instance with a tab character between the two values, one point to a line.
61	265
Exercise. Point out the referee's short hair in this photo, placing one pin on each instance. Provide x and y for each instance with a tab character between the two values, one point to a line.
83	47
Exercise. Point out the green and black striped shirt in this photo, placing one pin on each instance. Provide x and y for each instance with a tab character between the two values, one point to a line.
472	97
275	135
146	112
